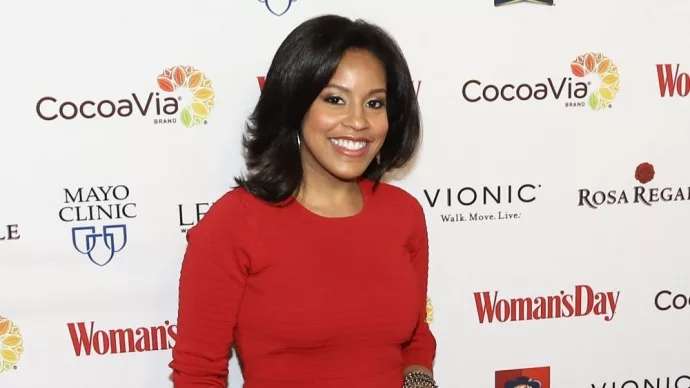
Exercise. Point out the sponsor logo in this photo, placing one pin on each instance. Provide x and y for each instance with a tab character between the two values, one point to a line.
278	7
11	345
667	300
87	340
498	3
539	377
584	301
594	83
100	213
429	311
10	232
451	199
665	382
201	88
642	194
164	107
190	215
672	81
417	85
603	70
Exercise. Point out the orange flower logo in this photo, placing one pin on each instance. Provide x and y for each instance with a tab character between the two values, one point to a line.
429	311
607	72
10	345
187	77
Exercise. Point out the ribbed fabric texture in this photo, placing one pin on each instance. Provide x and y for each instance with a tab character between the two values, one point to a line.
308	301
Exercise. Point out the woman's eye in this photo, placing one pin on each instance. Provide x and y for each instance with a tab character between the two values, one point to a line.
333	100
376	104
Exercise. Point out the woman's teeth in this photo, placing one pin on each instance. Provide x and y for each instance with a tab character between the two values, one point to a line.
349	144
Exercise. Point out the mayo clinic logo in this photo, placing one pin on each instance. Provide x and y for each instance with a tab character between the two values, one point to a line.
278	7
99	213
86	238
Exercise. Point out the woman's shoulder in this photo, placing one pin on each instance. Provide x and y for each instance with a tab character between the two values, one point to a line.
396	203
232	200
233	213
238	200
392	194
234	204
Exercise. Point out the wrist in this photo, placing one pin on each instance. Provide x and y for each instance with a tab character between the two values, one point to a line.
419	379
417	368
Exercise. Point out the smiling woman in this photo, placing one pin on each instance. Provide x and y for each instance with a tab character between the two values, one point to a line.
346	125
331	71
312	267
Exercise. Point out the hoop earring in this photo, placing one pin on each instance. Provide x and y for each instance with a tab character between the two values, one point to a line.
378	158
299	142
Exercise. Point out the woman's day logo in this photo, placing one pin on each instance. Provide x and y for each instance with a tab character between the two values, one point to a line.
275	6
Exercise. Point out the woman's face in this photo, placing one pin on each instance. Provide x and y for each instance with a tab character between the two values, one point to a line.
346	125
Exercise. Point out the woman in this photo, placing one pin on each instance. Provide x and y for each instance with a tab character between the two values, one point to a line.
314	270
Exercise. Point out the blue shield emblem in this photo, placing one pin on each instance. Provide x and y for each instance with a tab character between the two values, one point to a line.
85	240
278	7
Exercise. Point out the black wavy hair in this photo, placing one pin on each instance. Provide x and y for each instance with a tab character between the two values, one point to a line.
301	68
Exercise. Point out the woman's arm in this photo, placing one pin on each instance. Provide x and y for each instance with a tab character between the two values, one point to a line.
212	282
419	352
417	368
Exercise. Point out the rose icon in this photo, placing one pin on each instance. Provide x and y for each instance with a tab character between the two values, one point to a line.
644	173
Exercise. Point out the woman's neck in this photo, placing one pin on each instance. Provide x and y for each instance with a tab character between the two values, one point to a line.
325	194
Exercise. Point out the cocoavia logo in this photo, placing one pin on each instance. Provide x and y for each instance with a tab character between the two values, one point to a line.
605	73
593	82
203	95
164	107
11	343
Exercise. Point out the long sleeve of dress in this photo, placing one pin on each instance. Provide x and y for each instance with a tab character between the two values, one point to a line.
212	283
421	349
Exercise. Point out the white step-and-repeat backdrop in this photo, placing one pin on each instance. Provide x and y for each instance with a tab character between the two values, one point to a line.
554	177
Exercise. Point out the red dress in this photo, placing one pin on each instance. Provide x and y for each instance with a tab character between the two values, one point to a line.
308	301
